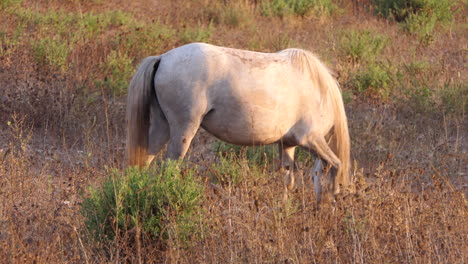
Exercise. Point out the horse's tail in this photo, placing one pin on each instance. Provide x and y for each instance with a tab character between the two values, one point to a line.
141	96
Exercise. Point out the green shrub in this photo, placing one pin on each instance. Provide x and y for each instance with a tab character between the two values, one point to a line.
420	84
256	155
91	24
121	18
227	171
8	42
52	43
150	39
197	34
418	16
275	8
421	98
235	15
396	9
238	164
74	26
4	4
282	8
52	51
58	32
374	80
280	41
118	68
57	23
347	96
414	74
454	97
260	156
400	10
421	24
362	46
162	203
416	67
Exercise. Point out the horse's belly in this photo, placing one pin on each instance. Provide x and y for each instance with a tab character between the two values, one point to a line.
243	128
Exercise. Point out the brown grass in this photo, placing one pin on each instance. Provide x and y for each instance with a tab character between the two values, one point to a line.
58	132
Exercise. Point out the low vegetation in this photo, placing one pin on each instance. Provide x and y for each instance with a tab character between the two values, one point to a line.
419	17
155	205
66	195
302	8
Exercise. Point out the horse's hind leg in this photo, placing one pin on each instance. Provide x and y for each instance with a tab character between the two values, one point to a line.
158	137
184	111
182	133
179	142
287	167
158	134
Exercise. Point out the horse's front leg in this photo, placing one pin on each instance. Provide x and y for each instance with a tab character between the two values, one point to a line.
287	168
317	174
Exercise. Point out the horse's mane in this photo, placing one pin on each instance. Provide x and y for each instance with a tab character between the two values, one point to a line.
322	78
308	62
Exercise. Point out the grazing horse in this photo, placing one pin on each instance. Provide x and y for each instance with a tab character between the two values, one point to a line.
241	97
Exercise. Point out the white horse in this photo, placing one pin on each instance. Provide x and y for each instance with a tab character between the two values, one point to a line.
241	97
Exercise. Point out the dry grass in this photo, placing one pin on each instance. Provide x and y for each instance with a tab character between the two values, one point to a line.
404	215
59	130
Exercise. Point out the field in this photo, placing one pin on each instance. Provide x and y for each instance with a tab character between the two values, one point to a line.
67	197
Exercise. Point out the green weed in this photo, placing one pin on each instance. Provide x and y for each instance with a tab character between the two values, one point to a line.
8	43
4	4
58	32
374	80
90	25
454	98
93	24
418	80
238	164
228	170
421	24
162	203
118	68
233	17
418	16
255	43
260	156
197	34
236	16
149	39
283	8
256	155
280	42
54	39
400	10
347	96
363	46
417	67
53	22
422	98
52	51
